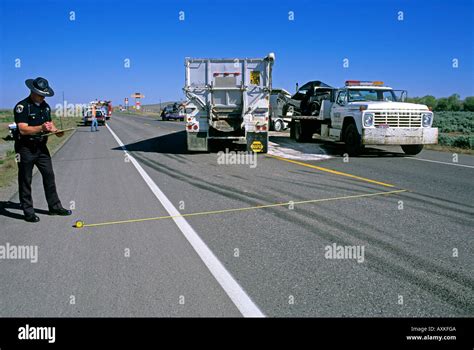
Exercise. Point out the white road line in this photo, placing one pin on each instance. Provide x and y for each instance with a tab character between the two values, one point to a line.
435	161
235	292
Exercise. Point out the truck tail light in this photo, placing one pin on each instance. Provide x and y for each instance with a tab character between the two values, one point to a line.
192	127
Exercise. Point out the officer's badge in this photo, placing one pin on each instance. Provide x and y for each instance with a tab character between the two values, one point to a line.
19	108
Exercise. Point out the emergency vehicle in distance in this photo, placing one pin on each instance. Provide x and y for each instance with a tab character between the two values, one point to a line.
358	114
103	111
106	106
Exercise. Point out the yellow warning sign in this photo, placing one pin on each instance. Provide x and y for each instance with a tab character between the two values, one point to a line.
255	77
256	146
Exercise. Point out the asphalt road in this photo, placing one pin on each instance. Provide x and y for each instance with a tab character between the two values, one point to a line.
417	245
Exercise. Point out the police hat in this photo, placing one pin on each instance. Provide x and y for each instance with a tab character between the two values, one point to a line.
40	86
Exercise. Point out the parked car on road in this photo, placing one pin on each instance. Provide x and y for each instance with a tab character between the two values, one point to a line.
98	114
172	111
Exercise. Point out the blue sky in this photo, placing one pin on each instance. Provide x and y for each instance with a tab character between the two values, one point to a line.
85	58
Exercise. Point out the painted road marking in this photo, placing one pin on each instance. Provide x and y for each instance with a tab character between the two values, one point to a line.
221	211
335	172
235	292
436	161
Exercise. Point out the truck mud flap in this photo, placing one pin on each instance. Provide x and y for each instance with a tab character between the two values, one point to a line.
197	141
257	142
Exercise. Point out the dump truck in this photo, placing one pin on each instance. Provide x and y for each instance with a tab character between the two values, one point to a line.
228	101
362	113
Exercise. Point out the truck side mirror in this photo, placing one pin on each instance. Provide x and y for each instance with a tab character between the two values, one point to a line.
296	87
403	96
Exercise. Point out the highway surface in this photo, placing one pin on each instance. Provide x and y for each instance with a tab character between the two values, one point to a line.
256	243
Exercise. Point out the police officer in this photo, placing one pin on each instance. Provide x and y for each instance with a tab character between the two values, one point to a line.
33	120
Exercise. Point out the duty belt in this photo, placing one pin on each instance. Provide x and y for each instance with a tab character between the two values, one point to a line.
34	138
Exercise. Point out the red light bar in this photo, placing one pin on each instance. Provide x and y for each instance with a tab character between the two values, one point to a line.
352	82
363	83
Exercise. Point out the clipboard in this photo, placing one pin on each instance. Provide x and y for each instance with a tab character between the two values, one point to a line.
58	132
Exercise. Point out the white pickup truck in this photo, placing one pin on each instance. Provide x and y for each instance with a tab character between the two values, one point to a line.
368	113
228	100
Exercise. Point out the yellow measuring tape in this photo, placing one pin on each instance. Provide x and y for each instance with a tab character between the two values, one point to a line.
82	224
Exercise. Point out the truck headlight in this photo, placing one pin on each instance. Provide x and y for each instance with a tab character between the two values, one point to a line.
427	119
368	119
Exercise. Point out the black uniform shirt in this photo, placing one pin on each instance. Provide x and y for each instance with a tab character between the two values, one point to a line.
26	111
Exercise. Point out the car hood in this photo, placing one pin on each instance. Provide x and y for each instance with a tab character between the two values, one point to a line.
382	105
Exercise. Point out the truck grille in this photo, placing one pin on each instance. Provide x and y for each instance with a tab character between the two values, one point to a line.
398	119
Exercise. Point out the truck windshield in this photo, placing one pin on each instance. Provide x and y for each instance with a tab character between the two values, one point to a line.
371	95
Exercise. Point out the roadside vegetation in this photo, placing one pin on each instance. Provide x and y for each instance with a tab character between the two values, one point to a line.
454	118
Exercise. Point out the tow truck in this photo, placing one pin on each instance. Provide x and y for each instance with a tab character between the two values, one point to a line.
362	113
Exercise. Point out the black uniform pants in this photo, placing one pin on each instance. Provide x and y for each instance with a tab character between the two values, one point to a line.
31	154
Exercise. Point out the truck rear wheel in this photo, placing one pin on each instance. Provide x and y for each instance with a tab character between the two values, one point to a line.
302	132
353	141
412	150
292	130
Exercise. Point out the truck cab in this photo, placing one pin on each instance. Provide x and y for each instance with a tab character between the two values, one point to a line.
369	113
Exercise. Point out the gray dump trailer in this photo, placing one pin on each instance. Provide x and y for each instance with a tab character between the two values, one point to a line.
228	100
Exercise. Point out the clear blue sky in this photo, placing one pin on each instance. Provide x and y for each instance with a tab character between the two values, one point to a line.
85	58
